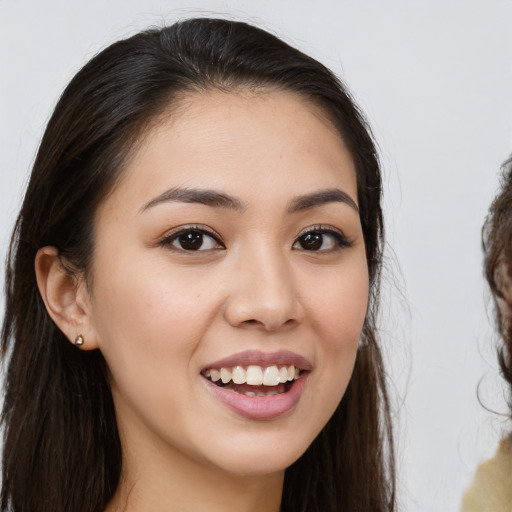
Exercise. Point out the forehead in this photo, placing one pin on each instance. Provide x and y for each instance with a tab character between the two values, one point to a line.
244	141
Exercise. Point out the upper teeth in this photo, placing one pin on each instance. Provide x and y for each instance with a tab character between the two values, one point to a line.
254	375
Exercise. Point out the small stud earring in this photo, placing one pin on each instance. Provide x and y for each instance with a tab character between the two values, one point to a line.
79	340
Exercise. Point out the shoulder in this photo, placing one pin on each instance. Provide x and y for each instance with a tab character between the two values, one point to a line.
491	490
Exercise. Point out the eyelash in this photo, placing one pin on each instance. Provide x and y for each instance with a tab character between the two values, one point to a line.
340	240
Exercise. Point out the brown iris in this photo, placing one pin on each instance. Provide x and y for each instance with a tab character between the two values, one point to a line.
311	241
191	241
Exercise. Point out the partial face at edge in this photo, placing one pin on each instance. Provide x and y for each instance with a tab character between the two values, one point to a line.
220	247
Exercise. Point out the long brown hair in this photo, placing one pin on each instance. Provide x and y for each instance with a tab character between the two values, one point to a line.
62	450
497	246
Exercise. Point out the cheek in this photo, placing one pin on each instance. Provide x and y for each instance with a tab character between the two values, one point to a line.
142	314
340	306
150	325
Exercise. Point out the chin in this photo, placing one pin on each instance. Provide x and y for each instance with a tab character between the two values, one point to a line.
261	455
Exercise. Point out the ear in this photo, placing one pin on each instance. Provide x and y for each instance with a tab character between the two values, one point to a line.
65	296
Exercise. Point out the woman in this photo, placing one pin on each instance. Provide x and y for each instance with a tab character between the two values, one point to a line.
192	288
492	486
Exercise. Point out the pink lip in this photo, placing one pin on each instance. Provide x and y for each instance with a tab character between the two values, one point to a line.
259	408
255	357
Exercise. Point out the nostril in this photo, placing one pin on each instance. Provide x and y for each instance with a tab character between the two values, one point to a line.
269	325
250	311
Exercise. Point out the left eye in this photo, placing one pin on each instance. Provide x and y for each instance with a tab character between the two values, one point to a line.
193	240
320	240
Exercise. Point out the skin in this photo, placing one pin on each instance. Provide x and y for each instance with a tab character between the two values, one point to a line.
160	314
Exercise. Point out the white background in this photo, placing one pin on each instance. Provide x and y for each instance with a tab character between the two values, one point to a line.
435	79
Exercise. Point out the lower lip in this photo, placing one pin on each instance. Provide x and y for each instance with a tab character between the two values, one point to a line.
260	407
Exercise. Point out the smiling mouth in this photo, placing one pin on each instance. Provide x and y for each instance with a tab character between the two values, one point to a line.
253	380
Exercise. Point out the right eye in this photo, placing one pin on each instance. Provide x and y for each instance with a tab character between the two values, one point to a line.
193	239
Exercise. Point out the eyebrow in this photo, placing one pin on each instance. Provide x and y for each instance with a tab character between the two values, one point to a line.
332	195
193	195
220	200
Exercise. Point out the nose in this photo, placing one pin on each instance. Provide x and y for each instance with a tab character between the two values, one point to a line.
263	293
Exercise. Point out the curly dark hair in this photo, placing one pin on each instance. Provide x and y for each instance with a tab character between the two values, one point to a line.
497	247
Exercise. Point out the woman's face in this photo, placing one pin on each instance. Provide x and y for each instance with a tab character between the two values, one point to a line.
231	249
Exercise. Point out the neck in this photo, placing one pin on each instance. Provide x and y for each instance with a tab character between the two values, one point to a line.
162	479
175	491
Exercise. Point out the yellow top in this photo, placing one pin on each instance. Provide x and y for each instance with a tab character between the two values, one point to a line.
491	490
